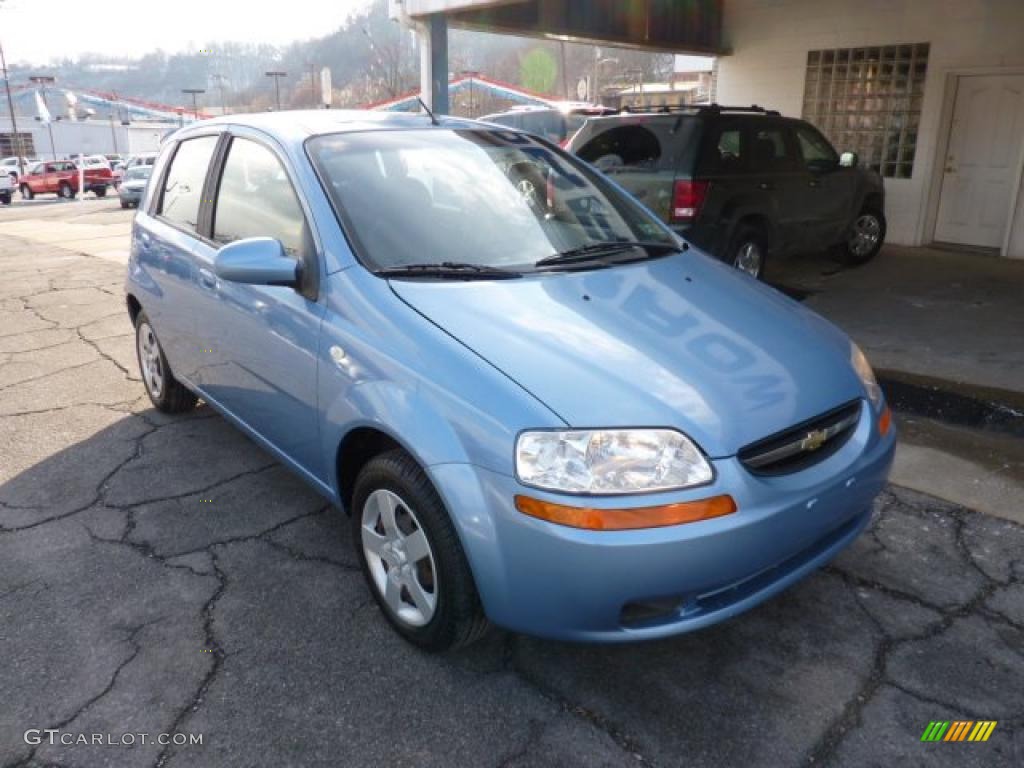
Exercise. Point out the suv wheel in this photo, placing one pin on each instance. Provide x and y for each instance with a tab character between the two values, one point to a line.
5	198
66	191
865	238
749	251
26	192
411	555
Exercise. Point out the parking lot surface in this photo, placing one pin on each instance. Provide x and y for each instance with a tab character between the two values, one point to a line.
164	575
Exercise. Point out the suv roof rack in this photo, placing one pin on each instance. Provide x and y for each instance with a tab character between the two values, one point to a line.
697	109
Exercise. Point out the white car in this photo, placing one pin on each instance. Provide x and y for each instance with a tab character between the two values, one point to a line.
95	161
10	164
8	183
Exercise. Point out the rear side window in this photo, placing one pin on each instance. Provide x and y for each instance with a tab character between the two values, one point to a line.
770	150
183	185
641	146
256	199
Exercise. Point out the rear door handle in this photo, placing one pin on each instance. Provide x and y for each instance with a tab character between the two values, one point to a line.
206	278
766	186
813	184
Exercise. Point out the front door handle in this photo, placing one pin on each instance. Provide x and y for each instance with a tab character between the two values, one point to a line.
766	186
813	183
207	279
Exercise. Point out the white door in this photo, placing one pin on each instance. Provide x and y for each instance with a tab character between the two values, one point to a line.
983	160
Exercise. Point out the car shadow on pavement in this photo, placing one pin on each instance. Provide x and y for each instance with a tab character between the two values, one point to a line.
165	575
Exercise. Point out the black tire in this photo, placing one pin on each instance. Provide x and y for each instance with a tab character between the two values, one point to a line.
458	618
173	396
65	191
26	192
854	250
749	245
5	198
100	191
124	204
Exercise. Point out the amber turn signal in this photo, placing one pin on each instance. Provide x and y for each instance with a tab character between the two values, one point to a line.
884	421
627	519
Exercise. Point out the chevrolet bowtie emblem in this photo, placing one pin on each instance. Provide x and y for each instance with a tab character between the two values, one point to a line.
814	440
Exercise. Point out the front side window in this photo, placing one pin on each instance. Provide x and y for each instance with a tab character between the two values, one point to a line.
183	186
256	199
488	198
817	153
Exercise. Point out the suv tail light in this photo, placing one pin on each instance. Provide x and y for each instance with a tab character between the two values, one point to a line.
687	198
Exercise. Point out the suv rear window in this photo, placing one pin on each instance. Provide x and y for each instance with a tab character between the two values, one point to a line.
647	145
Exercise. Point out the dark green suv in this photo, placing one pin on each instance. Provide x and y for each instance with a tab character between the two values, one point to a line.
741	183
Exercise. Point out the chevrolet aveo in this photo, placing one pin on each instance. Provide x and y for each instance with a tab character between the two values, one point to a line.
539	406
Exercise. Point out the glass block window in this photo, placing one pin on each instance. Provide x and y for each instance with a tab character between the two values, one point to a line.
868	100
11	144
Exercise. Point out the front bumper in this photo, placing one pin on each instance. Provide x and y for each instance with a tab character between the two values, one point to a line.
129	195
552	581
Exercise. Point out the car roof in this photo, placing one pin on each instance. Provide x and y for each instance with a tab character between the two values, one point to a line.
298	125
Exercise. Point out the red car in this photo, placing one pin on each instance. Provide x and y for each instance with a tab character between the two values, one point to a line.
60	177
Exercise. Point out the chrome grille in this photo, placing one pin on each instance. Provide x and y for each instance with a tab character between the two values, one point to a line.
803	445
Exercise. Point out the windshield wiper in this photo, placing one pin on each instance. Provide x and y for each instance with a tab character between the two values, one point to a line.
597	250
449	269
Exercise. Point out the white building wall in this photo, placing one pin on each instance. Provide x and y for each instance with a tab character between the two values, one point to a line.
769	40
89	137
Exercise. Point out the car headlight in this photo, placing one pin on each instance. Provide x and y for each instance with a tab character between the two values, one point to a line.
610	461
867	376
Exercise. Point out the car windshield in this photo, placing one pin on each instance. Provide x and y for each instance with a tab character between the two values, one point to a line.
138	172
495	199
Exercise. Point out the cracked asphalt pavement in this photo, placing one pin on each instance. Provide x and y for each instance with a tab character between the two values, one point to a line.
163	575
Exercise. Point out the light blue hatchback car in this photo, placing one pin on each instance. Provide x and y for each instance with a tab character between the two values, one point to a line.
539	406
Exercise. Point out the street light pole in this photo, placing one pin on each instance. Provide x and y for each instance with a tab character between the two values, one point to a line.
194	93
19	150
277	75
42	81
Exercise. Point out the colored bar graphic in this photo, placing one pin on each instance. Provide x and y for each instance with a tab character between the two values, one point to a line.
959	730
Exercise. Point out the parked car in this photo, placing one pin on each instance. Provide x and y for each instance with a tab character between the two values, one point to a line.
556	124
542	411
8	183
144	158
744	184
95	161
133	185
11	164
60	177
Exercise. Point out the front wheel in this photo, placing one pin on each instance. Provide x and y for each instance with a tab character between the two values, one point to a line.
5	198
166	392
411	555
26	192
865	237
749	251
100	191
66	191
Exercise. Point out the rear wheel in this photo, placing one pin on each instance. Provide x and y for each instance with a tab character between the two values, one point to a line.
124	204
865	237
5	198
749	251
411	555
26	192
100	191
166	392
66	191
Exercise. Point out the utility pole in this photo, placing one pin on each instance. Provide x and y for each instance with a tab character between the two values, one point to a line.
194	92
19	150
42	81
220	86
113	129
277	75
312	84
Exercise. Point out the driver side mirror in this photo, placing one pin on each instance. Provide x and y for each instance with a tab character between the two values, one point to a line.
257	261
848	160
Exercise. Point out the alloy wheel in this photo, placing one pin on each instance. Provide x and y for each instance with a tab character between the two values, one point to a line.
749	258
400	560
866	231
150	360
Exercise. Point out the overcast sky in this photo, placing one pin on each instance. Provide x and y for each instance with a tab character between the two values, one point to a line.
35	31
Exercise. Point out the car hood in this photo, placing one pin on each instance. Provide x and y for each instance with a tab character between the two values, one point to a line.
134	185
682	342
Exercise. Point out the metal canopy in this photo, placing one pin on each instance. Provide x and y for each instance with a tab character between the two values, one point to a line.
678	26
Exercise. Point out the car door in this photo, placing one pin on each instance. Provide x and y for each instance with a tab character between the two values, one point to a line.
262	340
827	191
776	173
48	182
166	238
